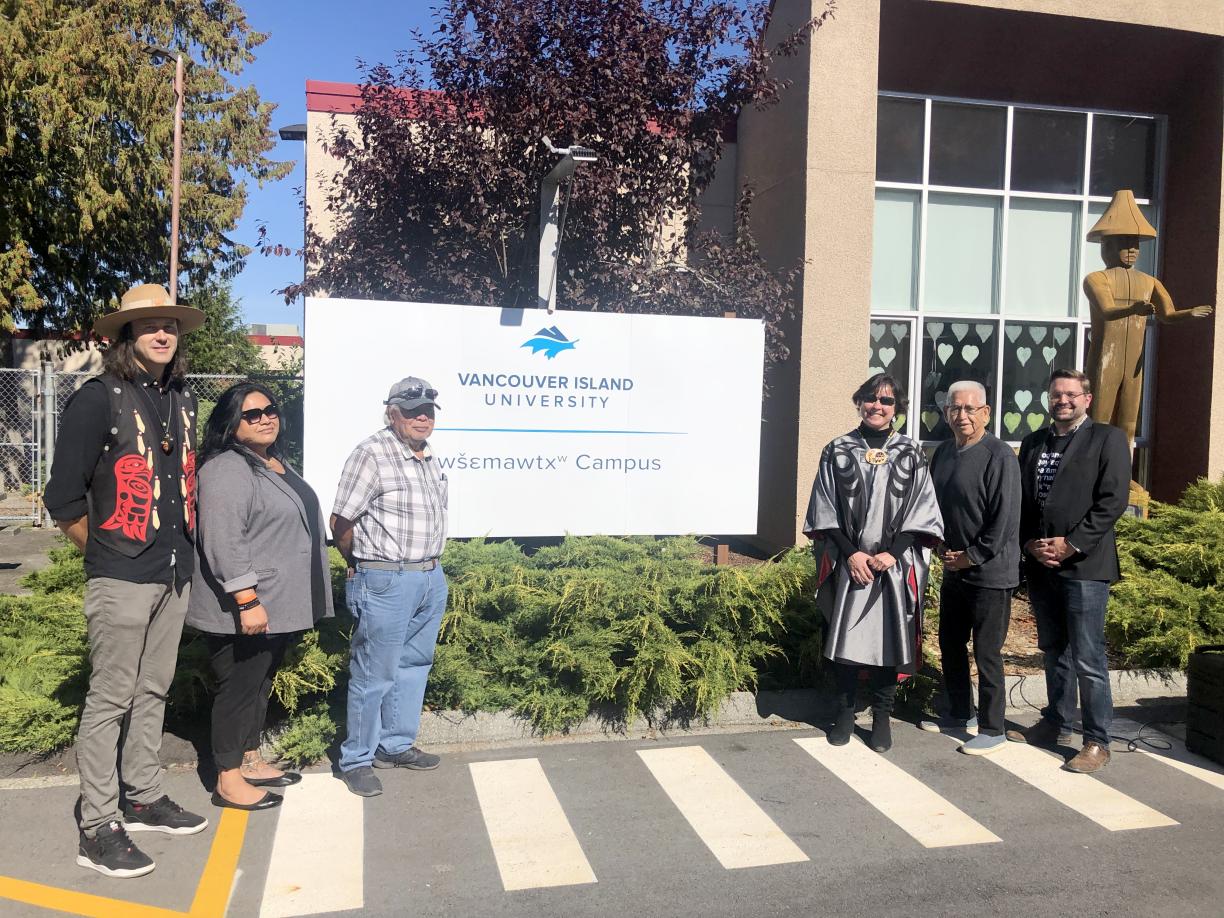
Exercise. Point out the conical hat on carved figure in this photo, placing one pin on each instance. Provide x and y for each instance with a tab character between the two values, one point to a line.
1122	218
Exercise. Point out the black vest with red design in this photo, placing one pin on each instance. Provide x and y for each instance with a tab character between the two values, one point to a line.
132	470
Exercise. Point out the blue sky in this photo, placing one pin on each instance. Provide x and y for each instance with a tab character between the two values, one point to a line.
309	40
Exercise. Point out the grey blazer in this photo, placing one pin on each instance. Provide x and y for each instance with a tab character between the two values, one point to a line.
251	531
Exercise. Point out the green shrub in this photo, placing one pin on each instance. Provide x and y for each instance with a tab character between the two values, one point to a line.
634	623
306	736
65	574
44	661
619	626
1171	597
44	668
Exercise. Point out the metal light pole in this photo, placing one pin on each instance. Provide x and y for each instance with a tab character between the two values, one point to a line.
552	219
161	55
179	92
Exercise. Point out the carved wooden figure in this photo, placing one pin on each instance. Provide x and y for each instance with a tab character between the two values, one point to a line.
1120	299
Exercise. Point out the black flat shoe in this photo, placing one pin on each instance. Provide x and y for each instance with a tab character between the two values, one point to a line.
269	801
288	779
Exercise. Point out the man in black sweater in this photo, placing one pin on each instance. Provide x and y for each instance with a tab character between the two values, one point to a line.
1076	480
977	483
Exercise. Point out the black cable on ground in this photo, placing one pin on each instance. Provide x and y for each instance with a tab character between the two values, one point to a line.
1132	743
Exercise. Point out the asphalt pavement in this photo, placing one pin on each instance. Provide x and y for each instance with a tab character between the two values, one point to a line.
767	823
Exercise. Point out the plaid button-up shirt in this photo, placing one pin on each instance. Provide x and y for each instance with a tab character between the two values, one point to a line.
396	501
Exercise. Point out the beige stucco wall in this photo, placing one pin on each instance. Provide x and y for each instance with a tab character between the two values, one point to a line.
841	205
322	167
717	201
280	356
29	355
1205	16
811	161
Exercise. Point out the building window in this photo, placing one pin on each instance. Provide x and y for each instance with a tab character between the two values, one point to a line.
979	253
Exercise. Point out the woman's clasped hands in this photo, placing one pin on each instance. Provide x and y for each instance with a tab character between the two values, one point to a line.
864	567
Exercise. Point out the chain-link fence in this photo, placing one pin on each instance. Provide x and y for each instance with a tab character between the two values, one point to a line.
33	401
20	446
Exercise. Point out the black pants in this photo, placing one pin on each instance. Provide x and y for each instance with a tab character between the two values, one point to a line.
984	614
244	666
881	681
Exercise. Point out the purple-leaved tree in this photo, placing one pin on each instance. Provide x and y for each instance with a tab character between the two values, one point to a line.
439	199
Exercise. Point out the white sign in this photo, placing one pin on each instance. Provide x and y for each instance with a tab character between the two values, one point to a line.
578	422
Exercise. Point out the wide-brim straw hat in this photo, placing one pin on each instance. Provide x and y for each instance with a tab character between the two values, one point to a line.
148	301
1122	218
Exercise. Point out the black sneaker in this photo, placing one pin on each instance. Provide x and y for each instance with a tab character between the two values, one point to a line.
412	757
362	781
162	815
112	853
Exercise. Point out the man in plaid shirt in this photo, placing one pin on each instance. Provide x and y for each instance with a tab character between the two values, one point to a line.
389	522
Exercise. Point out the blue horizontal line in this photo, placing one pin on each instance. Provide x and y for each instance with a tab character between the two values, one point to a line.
649	433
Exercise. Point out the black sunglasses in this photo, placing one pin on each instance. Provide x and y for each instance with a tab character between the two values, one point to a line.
252	415
408	394
886	400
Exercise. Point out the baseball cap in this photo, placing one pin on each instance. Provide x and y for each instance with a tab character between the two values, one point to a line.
412	392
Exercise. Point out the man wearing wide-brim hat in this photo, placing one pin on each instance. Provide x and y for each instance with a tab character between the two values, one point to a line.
122	489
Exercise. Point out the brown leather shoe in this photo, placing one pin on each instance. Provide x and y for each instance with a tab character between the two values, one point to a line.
1042	733
1093	757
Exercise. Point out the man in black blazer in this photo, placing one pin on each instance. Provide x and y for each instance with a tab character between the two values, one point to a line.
1075	477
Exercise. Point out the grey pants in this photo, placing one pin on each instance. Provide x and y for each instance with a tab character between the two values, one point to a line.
134	631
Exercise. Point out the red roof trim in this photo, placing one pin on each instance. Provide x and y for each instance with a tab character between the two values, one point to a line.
345	98
340	98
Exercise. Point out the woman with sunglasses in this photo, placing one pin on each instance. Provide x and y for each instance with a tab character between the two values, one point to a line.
262	579
873	519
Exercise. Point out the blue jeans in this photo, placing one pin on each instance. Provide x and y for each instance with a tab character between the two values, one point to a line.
397	614
1071	633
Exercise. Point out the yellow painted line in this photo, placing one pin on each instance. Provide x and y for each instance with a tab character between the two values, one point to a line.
78	903
311	871
213	893
1184	760
532	839
211	898
735	829
930	819
1104	805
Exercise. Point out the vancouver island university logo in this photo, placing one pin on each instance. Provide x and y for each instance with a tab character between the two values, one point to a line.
551	341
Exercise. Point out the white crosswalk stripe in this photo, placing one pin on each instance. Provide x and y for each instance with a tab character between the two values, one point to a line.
1179	757
929	818
534	844
313	871
1104	805
532	839
735	829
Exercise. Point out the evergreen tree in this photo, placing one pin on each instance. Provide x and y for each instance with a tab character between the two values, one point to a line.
86	140
221	344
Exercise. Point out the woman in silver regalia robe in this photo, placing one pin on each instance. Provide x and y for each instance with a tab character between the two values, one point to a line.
873	519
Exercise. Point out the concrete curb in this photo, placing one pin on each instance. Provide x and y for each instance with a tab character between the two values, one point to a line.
743	712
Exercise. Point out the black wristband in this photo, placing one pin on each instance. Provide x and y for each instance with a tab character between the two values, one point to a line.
249	604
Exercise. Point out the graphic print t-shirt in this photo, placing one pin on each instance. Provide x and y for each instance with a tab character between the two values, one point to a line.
1049	461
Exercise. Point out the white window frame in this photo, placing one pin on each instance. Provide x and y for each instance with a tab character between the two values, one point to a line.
918	316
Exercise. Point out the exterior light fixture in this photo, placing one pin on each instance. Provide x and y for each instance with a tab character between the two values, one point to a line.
552	217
